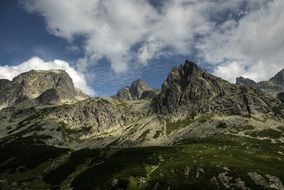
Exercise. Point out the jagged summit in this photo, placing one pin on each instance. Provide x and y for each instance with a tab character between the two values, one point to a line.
273	86
245	82
33	84
139	89
189	90
278	79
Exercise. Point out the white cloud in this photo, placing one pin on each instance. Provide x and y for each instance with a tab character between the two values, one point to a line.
35	63
113	28
252	47
134	31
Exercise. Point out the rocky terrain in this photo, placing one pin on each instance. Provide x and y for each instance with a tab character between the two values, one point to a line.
198	132
49	87
137	91
273	86
190	91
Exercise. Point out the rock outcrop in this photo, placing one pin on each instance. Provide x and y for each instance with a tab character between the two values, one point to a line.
124	94
246	82
273	86
50	96
189	91
139	89
51	86
278	79
149	94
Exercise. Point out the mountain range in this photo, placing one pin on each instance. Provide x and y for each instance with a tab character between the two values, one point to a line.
196	128
274	86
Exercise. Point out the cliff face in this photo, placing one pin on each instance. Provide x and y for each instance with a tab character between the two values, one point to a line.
189	90
52	86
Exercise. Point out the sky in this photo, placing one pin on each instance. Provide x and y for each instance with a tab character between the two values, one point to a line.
106	44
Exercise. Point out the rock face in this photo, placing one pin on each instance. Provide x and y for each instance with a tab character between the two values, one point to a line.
189	90
139	89
48	86
245	82
280	96
278	79
98	113
50	96
272	86
5	90
124	94
149	94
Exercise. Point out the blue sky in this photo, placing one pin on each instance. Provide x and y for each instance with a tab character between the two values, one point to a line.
105	45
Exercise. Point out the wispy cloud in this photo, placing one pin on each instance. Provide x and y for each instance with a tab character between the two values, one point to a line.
128	31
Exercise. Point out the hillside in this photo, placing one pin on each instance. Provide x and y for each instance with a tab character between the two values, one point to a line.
198	132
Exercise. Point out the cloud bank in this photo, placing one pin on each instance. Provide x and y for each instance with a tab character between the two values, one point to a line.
125	32
252	46
35	63
237	37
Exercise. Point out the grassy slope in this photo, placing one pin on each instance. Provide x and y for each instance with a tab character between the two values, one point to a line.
190	165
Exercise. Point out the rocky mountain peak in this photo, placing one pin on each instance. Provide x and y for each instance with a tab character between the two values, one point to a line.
33	84
191	67
273	86
190	90
245	82
124	93
278	78
139	89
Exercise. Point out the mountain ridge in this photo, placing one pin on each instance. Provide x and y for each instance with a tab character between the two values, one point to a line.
273	86
188	95
190	90
198	132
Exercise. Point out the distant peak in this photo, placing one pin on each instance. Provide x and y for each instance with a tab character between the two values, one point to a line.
138	82
136	91
245	81
241	78
278	78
